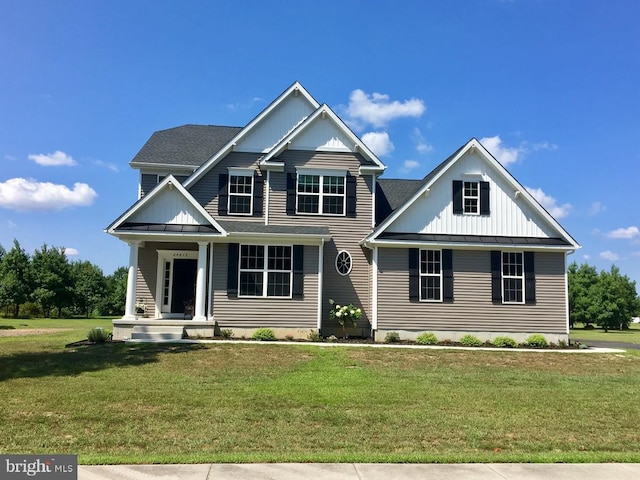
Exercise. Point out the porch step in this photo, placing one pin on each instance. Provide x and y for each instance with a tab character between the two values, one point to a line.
156	333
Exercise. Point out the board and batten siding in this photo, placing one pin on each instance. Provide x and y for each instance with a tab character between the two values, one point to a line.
265	312
346	232
472	309
205	190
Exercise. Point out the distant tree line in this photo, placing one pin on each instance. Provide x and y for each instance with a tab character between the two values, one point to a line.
607	299
47	284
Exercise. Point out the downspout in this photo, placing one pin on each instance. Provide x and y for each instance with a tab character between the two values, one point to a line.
320	277
374	293
266	197
210	292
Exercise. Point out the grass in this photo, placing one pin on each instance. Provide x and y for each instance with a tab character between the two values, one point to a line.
627	336
158	403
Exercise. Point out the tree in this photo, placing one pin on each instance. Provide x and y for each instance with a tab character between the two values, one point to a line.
15	278
582	285
617	300
89	286
52	279
114	298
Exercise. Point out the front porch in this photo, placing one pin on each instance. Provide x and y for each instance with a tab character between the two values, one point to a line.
123	328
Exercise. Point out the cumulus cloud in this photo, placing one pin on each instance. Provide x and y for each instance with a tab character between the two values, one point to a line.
378	109
55	159
378	142
609	255
625	233
30	195
71	252
549	203
505	155
409	165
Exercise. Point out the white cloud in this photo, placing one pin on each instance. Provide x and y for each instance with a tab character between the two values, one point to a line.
596	208
408	165
505	155
30	195
378	110
108	165
243	105
55	159
543	146
587	257
71	252
421	144
549	203
625	233
609	255
378	142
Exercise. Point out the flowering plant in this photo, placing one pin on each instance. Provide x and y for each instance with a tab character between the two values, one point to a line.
141	307
345	315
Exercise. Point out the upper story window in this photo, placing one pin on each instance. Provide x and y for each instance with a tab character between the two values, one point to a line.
240	193
430	276
322	194
471	198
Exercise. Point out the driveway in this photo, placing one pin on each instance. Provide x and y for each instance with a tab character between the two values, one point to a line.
606	344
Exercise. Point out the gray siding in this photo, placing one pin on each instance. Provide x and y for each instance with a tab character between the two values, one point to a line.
472	309
346	232
150	180
205	191
265	312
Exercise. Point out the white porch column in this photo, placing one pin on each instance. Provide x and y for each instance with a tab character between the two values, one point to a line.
201	284
132	278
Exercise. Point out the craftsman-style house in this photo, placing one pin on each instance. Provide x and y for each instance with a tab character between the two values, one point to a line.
260	226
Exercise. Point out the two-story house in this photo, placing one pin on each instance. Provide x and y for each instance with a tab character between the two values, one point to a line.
260	226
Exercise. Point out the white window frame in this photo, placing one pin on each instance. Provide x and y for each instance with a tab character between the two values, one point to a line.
425	275
238	172
321	174
166	289
512	277
466	197
350	260
265	271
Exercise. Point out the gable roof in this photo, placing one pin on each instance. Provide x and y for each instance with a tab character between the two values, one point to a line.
324	112
295	89
127	222
439	171
391	194
188	145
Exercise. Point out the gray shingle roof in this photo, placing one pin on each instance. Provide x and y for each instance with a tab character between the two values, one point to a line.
186	145
259	227
476	239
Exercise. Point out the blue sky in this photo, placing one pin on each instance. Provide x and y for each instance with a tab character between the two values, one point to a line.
551	87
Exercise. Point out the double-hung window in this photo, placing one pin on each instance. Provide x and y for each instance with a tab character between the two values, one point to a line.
321	193
430	276
471	198
240	192
512	277
265	270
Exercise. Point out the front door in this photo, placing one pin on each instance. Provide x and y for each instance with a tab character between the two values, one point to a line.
183	295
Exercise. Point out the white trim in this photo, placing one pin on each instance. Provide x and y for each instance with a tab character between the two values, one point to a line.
320	282
209	305
504	277
163	257
465	245
470	197
265	271
330	172
374	294
335	263
321	194
427	275
245	173
374	191
267	197
566	292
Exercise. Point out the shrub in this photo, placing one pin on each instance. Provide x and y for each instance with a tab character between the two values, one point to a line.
263	334
332	338
226	333
427	339
98	335
471	341
392	337
563	344
314	336
536	341
345	315
504	342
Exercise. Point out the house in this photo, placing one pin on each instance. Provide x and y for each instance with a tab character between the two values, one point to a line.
260	226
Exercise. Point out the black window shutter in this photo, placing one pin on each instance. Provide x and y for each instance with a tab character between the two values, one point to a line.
223	194
496	276
484	198
447	277
414	274
529	278
457	197
298	271
291	193
258	188
351	195
232	270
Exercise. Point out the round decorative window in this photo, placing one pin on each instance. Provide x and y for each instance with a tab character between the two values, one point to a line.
343	262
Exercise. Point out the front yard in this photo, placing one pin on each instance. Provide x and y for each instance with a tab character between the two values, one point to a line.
135	403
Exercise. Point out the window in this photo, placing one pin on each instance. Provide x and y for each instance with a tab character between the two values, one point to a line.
343	262
430	276
321	194
265	271
512	277
471	198
240	194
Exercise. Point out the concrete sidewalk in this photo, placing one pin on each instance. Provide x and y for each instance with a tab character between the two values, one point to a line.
365	471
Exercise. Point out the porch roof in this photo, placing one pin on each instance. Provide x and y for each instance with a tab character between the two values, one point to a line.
165	227
473	239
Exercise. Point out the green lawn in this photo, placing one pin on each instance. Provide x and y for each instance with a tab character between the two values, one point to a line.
134	403
628	336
